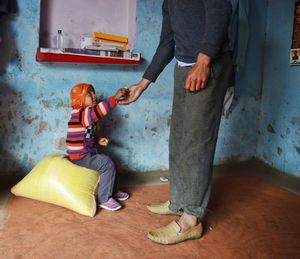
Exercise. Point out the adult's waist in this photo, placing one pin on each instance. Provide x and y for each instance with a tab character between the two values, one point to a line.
182	63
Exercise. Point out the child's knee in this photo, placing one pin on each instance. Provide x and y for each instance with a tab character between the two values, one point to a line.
107	162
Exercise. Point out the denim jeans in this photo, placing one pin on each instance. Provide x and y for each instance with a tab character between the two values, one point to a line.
107	171
193	135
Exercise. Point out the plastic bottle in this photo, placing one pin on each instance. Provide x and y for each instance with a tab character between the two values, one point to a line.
60	40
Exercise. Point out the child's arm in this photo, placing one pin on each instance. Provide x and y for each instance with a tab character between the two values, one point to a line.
92	114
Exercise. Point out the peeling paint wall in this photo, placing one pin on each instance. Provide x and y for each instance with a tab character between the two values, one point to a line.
34	97
238	134
279	139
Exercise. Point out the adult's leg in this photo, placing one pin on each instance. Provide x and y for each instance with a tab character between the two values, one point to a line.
193	137
175	145
175	140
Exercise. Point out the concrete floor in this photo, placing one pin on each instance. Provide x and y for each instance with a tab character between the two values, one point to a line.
6	182
136	208
251	167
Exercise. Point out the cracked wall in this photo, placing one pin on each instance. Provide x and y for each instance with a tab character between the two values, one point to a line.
34	97
279	139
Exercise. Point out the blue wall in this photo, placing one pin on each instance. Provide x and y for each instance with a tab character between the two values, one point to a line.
34	97
279	139
238	134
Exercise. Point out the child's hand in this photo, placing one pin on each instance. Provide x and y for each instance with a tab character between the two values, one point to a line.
103	141
121	94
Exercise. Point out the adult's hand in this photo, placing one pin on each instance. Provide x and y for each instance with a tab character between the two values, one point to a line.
199	74
135	91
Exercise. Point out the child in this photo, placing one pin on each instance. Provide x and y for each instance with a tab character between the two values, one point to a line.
81	141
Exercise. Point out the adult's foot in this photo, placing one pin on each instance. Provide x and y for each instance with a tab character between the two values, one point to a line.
187	221
162	209
171	234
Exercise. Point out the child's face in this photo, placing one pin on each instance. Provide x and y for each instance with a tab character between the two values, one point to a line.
90	98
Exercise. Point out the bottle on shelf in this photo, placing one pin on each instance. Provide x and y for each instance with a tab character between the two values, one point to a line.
60	40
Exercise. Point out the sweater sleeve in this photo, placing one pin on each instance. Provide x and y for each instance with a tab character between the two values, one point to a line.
217	17
165	50
92	114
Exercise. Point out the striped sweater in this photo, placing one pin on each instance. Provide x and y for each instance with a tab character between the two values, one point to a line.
81	136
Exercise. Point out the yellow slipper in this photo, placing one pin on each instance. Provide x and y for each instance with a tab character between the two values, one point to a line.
162	209
170	234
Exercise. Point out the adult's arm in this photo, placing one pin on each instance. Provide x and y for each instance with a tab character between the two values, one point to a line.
217	17
165	50
163	55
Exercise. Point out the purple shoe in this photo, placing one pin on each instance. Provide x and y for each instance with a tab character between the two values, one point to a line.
111	205
121	196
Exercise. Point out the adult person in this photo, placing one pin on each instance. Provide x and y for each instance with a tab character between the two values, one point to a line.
195	33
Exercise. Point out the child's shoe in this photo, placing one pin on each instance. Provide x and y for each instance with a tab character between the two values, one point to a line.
121	196
111	205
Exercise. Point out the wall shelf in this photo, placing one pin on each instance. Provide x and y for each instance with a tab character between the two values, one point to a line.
54	55
75	20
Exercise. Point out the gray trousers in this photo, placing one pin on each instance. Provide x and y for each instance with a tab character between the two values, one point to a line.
194	128
107	171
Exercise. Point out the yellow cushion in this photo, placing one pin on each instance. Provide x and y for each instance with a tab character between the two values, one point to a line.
58	181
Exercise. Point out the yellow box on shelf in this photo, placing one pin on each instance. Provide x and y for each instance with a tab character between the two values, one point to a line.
109	37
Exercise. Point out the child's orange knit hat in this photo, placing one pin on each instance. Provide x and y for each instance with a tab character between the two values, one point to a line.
78	94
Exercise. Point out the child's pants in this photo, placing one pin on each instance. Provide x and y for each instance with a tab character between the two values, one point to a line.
107	171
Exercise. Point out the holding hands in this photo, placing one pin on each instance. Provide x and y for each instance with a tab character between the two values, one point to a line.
121	94
135	91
